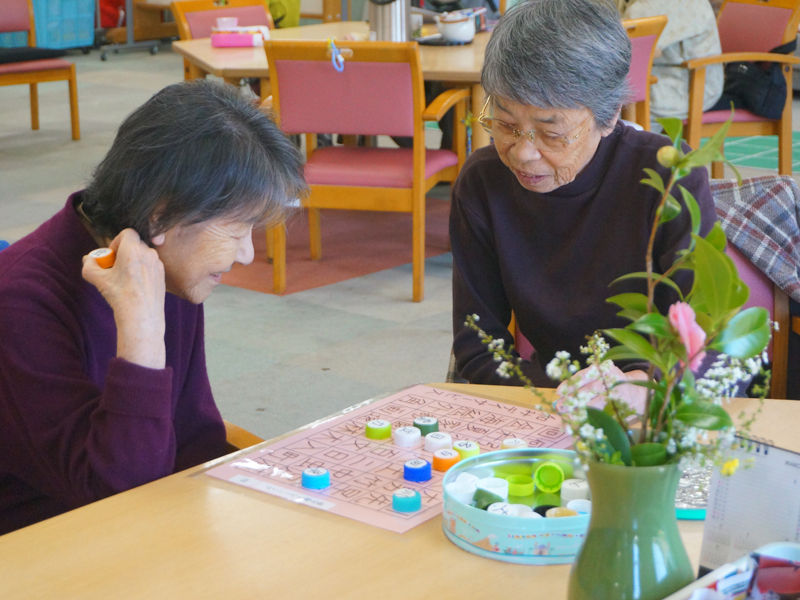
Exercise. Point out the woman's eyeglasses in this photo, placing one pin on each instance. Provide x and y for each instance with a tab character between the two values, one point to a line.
503	133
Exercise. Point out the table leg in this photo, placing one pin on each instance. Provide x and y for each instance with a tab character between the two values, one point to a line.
479	137
196	72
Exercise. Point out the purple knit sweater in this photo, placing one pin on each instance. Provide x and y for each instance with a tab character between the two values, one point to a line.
76	423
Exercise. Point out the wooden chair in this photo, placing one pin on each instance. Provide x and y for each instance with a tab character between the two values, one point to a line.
239	438
380	91
17	15
148	23
195	19
644	34
748	30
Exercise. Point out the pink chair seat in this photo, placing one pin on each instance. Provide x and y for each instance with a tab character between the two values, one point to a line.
372	167
740	116
49	64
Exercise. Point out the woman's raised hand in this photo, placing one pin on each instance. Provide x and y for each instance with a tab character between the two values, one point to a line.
134	288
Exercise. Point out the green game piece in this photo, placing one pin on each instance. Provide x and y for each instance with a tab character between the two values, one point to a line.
483	498
426	425
379	429
548	477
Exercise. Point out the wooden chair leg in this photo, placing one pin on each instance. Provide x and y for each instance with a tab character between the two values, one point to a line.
270	245
73	104
34	106
279	259
717	170
780	346
418	246
785	147
643	114
314	234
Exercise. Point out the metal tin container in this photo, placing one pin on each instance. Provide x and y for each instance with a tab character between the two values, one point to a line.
390	22
509	538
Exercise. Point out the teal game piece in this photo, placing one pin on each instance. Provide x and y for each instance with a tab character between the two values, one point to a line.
406	500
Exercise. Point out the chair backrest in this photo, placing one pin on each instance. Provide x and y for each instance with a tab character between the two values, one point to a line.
378	92
757	25
17	15
195	18
644	34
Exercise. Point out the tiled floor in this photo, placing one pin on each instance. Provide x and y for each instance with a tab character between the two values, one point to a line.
760	152
275	363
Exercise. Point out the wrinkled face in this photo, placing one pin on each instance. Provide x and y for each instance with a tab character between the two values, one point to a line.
196	256
537	166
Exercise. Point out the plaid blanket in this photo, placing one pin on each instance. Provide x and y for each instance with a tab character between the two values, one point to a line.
762	219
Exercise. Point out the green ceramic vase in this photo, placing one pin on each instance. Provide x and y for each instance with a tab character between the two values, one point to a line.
633	550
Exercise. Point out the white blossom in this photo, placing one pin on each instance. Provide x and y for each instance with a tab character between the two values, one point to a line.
586	431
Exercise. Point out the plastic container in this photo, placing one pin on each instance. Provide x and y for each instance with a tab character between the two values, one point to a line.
507	538
64	23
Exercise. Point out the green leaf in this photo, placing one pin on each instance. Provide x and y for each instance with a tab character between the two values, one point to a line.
704	415
694	209
649	455
655	180
631	314
746	335
670	210
621	353
630	301
643	275
712	277
739	290
703	319
716	237
613	431
673	128
637	343
709	151
652	324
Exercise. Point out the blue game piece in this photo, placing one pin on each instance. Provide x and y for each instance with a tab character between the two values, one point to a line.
316	478
406	500
417	470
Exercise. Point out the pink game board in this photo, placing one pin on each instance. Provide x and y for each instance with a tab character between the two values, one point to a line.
365	473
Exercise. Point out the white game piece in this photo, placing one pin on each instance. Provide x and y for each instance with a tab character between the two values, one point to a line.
502	508
495	485
513	444
482	472
580	505
469	478
462	491
438	440
522	510
407	437
531	515
574	489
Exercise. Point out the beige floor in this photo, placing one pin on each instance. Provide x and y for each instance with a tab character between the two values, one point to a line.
275	363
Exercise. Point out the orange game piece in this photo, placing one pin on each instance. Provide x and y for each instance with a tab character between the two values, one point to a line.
105	257
445	458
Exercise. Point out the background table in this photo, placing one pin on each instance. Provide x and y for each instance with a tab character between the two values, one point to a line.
191	536
455	64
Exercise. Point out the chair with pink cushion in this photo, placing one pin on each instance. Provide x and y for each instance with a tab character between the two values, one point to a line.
17	15
644	34
748	30
195	19
379	91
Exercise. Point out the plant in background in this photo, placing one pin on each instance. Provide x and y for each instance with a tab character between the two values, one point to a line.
680	410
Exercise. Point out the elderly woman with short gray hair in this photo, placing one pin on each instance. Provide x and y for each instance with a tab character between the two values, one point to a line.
545	218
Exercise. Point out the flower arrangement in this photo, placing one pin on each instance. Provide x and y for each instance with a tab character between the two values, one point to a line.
678	410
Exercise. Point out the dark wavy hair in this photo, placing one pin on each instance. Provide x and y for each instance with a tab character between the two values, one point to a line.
195	151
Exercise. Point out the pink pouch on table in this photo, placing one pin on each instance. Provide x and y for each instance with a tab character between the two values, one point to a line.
236	40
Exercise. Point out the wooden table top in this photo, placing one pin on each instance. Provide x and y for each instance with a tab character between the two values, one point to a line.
439	63
191	536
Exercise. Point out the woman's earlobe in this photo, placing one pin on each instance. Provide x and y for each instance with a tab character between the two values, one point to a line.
158	240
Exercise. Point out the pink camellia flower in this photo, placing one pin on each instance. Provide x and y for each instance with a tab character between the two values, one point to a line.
682	318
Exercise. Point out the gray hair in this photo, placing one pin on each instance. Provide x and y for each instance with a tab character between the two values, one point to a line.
195	151
560	54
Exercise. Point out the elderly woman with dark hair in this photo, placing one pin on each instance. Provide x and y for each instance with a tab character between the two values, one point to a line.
103	382
549	215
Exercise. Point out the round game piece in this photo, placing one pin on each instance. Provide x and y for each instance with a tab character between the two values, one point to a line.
541	499
484	498
530	515
105	257
513	444
426	425
549	477
580	505
573	489
407	437
444	459
461	491
523	510
520	485
542	510
466	448
378	429
417	469
406	500
495	485
502	508
560	511
316	478
469	478
438	440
